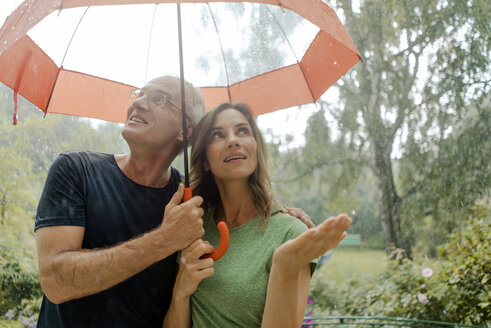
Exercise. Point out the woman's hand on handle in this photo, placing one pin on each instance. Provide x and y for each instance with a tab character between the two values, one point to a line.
192	269
295	253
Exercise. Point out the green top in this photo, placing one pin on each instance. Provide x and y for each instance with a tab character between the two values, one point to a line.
235	295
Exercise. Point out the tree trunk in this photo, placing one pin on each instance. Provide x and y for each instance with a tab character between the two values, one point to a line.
390	201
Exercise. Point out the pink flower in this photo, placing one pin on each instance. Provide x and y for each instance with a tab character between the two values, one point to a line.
422	298
423	286
427	272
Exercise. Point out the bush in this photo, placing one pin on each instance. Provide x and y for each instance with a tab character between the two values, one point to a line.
24	318
17	283
456	290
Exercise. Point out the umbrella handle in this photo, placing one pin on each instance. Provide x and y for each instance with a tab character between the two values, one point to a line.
222	229
224	241
188	194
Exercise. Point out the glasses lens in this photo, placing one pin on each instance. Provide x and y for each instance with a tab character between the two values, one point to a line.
157	99
136	93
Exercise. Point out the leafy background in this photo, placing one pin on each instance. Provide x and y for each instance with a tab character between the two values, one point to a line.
404	150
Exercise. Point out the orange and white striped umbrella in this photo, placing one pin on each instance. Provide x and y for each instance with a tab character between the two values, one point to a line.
83	57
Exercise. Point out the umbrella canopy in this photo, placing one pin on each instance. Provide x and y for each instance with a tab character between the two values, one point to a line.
83	57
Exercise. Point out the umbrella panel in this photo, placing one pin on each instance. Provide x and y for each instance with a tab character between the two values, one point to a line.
219	50
224	43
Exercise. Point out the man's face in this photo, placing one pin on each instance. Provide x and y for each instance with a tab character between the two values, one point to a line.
153	119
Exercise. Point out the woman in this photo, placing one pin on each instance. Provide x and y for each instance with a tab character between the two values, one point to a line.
263	279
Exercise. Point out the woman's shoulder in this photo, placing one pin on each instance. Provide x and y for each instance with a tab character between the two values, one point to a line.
285	221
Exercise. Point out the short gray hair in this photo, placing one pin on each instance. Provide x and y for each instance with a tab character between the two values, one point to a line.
195	105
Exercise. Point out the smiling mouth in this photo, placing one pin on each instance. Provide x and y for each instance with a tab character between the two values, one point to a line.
234	157
138	120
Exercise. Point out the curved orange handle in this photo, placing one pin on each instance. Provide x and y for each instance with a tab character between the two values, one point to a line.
224	241
222	229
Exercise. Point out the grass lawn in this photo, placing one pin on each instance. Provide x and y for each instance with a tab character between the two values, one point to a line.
10	324
347	263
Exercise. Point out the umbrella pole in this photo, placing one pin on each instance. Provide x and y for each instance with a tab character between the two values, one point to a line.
183	106
188	194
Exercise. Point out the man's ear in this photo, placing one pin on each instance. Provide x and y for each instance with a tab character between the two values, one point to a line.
190	126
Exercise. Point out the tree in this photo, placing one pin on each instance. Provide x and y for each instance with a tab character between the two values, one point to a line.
454	177
424	63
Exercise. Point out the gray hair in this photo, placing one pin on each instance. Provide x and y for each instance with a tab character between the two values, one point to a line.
195	105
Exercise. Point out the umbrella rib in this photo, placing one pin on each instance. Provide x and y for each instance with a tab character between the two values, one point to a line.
293	51
63	60
282	31
149	41
73	35
221	50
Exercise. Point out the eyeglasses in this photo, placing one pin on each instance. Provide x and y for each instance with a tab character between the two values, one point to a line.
154	98
157	99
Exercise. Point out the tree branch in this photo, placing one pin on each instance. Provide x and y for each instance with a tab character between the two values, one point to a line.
476	82
419	41
317	166
402	112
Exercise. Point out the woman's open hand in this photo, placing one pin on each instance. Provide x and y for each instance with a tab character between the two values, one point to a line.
192	269
295	253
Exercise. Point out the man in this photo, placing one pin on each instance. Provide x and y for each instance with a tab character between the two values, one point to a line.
108	227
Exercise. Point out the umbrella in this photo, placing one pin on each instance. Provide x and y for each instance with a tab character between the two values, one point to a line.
56	82
296	49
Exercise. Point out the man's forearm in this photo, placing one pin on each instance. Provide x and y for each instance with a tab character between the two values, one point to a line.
72	274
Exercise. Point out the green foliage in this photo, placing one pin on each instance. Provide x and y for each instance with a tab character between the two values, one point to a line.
454	289
17	283
467	271
421	95
25	317
325	178
28	150
442	184
19	279
10	324
415	113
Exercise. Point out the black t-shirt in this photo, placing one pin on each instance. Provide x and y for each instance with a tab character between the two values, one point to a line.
89	189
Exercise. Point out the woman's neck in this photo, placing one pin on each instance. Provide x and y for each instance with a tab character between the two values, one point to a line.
237	203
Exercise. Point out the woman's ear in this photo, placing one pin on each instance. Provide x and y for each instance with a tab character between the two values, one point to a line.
206	166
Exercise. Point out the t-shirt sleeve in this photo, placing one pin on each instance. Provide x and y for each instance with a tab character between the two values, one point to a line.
296	228
62	200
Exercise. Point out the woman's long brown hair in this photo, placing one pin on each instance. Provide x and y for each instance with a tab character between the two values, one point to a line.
202	181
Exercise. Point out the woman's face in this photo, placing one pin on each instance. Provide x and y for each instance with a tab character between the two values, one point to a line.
232	149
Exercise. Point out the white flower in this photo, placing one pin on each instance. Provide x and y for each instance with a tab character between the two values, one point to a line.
422	298
10	314
427	272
